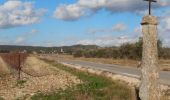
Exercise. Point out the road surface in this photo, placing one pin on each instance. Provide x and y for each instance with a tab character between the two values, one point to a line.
127	71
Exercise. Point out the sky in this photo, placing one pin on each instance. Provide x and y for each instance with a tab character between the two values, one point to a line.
69	22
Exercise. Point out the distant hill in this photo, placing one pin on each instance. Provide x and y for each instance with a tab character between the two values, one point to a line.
79	47
40	49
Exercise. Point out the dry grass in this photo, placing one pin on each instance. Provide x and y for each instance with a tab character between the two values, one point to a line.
166	95
4	68
164	64
37	67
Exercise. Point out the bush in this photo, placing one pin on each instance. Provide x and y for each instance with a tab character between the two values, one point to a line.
78	53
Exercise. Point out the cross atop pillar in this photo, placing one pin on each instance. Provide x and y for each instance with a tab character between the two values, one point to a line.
150	4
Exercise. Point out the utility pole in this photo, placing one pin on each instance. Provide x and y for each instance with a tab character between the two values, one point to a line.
149	87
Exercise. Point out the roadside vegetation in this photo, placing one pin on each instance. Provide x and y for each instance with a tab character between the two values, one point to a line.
1	98
92	87
126	51
129	54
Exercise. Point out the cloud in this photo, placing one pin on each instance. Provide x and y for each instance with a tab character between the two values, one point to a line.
83	8
17	13
69	12
119	27
22	39
19	40
112	40
164	30
32	32
108	40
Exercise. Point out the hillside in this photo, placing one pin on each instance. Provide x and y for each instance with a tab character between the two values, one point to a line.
40	49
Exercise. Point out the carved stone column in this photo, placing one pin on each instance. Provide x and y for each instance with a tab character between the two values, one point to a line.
149	88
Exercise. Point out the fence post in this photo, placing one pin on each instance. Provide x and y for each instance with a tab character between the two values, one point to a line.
19	66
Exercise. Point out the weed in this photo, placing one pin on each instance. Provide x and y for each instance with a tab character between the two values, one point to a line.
2	98
20	83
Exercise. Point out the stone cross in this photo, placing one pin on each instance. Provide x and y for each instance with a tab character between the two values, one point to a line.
149	87
150	1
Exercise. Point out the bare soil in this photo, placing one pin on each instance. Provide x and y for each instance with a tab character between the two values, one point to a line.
37	76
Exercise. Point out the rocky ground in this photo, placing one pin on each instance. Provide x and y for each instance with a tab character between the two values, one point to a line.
37	76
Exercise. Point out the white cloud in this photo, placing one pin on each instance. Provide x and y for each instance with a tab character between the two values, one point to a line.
22	39
108	40
17	13
19	40
119	27
167	23
32	32
84	7
164	30
69	12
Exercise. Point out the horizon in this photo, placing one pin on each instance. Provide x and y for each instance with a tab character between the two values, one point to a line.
74	22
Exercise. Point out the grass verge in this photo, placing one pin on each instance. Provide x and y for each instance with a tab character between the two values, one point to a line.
93	87
2	98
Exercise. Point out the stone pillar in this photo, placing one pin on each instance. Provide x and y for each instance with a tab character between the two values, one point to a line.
149	87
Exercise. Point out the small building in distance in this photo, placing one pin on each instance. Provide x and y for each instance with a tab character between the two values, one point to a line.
62	51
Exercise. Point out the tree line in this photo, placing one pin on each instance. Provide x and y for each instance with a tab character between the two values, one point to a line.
125	51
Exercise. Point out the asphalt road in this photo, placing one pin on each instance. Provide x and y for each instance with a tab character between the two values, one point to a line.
127	71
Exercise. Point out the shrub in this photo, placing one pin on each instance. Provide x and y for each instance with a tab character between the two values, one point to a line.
125	51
